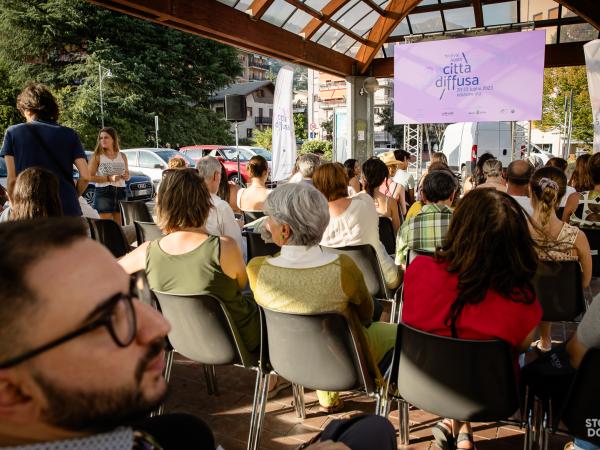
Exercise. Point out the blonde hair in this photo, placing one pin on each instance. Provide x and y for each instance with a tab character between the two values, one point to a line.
548	185
177	163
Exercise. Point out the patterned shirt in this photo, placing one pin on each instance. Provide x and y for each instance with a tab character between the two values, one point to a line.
424	232
587	213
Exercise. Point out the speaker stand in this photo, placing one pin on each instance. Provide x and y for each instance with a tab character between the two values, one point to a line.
237	151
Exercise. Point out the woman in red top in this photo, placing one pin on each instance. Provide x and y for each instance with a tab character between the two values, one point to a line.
478	286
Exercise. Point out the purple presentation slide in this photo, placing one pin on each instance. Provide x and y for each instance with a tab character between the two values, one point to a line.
477	79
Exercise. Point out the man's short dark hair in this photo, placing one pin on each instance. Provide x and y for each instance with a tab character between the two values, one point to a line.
22	244
402	155
519	172
559	163
439	185
39	101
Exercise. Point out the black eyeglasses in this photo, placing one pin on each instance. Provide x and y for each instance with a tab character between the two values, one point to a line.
117	314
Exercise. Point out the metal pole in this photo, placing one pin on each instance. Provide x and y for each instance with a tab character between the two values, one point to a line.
563	130
156	130
529	141
570	126
237	150
101	98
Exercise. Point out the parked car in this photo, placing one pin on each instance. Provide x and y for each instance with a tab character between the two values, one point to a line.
196	152
138	187
152	161
258	151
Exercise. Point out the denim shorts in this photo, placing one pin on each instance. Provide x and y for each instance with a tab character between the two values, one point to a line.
107	198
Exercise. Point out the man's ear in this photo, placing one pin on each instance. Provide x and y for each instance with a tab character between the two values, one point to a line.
18	402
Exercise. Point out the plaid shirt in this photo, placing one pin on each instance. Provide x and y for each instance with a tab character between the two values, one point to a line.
424	232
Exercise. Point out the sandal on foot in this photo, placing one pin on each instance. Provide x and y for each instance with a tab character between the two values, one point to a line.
538	344
443	436
465	437
280	386
336	407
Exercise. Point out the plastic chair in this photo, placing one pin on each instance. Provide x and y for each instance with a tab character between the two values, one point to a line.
317	351
258	247
387	235
412	254
147	231
593	237
109	234
135	211
203	331
467	380
365	258
251	216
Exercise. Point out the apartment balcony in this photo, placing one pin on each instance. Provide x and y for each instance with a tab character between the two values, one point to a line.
257	63
261	120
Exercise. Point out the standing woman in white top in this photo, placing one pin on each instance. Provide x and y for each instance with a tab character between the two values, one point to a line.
109	170
253	197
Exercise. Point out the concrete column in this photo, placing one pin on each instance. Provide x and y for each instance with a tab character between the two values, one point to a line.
360	119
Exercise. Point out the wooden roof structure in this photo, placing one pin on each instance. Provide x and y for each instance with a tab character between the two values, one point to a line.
355	37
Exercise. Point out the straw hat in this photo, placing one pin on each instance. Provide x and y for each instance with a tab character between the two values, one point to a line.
389	159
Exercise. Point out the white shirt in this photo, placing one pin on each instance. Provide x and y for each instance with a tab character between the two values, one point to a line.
221	221
525	203
302	257
405	179
563	202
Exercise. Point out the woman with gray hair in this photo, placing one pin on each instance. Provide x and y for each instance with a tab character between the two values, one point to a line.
303	279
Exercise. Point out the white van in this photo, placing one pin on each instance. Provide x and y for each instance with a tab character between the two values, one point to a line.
464	142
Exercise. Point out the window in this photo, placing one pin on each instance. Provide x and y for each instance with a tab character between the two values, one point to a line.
270	112
260	112
148	160
260	93
249	132
538	16
249	111
553	13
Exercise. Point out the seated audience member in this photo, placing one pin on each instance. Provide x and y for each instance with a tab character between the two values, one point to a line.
307	164
374	174
228	191
253	197
304	279
478	286
35	195
586	205
492	172
56	317
563	165
353	169
436	158
416	207
477	177
517	183
402	177
221	220
557	240
581	178
189	261
177	163
390	188
426	231
353	220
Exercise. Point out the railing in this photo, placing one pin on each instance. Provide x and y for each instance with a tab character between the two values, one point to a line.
252	62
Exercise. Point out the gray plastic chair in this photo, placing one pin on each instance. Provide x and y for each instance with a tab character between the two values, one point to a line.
365	257
412	254
317	351
258	247
593	237
109	234
203	331
147	231
559	290
387	235
133	211
251	216
467	380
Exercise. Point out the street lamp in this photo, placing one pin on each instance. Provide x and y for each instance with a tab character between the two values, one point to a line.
103	73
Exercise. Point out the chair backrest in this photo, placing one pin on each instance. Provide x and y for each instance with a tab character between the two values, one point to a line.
147	231
251	216
581	406
387	235
135	211
593	237
257	247
319	351
365	258
109	234
559	290
459	379
412	254
202	330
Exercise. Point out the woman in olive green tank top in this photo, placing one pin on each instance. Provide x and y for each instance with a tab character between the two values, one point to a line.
189	261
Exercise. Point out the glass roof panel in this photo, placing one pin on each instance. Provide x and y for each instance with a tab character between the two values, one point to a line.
566	12
278	12
298	21
315	37
383	4
427	22
228	2
500	13
344	44
317	5
330	37
459	18
366	23
401	29
354	15
243	5
344	9
577	32
379	54
427	2
352	51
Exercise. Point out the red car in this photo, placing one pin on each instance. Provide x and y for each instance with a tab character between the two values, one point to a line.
227	155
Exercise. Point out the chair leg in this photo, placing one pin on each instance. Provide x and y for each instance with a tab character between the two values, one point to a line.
403	424
261	411
393	313
208	379
167	377
298	392
254	415
215	386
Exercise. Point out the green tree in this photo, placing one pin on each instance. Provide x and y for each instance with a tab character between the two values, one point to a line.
9	115
264	138
324	147
327	126
386	120
300	126
558	83
155	70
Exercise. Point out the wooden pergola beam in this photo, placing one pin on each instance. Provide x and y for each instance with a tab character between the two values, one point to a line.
214	20
328	10
478	10
587	9
258	8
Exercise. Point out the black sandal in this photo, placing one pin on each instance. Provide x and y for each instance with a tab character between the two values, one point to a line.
465	437
443	436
